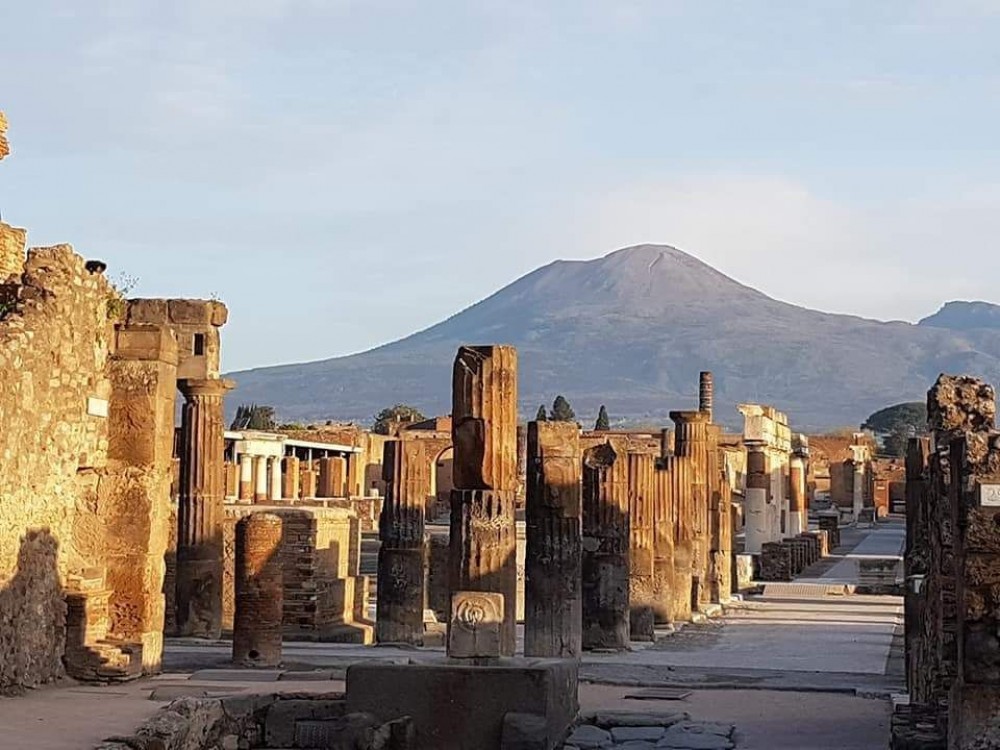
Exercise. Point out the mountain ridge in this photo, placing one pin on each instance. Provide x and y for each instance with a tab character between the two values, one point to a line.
631	330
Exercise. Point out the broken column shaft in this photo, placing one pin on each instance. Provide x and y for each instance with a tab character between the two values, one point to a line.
642	588
691	442
484	431
259	591
199	513
406	471
553	514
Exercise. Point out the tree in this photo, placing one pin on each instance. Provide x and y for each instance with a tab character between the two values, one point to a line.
254	417
541	416
561	411
394	414
603	423
895	425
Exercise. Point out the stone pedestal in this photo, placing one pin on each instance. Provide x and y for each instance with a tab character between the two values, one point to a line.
605	563
401	593
259	591
484	433
199	517
553	596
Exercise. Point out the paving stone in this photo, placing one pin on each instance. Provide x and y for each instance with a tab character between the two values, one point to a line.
588	737
611	719
636	745
646	734
695	736
238	675
315	675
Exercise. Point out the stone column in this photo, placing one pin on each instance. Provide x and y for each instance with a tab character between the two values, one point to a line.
798	520
663	540
401	557
757	522
260	479
484	432
642	590
246	477
605	565
277	485
666	443
308	482
553	595
199	514
720	523
691	442
858	494
706	394
290	477
259	584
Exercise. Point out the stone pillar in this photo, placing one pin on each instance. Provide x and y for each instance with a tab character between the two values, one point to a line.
663	540
332	475
916	563
484	432
642	589
691	442
259	583
309	488
199	513
553	595
605	565
757	521
260	479
706	394
277	485
798	519
858	494
720	585
401	557
666	443
290	474
246	477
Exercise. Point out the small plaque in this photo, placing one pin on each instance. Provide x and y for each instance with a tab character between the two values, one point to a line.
97	407
476	623
989	495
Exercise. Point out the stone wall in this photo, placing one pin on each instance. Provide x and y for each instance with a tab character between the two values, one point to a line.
54	346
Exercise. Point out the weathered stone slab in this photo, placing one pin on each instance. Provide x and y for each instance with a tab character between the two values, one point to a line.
476	625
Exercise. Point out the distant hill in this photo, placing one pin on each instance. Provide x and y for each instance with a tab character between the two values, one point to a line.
632	330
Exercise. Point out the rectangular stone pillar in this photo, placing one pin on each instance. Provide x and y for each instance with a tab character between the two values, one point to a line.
553	595
291	477
332	476
484	432
134	490
642	589
401	557
605	565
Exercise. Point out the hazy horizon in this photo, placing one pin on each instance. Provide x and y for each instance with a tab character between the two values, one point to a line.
344	174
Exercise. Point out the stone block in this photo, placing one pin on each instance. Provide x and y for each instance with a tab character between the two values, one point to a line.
476	625
279	724
459	707
525	732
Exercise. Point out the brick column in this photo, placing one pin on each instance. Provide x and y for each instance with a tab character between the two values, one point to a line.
260	479
246	477
276	485
553	596
199	514
484	432
798	518
401	599
757	521
259	583
290	477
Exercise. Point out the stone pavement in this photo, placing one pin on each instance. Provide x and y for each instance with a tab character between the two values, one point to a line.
788	673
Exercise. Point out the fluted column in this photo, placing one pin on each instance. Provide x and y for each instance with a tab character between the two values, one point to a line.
663	540
406	471
642	589
199	514
605	549
484	430
553	514
691	443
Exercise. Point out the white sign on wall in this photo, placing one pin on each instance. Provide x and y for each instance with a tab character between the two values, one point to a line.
989	495
97	407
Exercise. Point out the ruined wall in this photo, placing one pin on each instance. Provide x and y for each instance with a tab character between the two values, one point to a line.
54	345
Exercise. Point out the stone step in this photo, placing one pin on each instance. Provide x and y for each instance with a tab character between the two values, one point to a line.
793	590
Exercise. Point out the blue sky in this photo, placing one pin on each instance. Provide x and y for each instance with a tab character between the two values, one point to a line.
343	173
